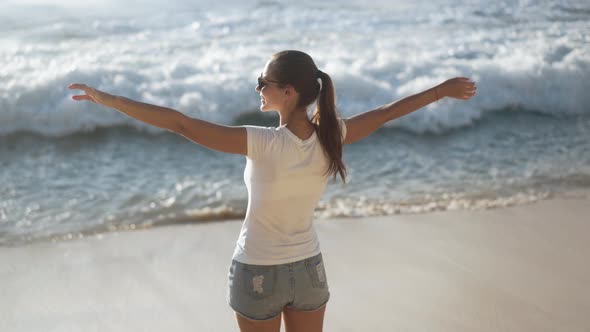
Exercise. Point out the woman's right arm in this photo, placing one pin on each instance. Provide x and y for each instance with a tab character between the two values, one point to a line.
229	139
364	124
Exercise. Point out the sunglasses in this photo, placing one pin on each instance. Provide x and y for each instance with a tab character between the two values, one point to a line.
262	82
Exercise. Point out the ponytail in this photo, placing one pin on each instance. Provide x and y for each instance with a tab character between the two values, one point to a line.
298	69
328	129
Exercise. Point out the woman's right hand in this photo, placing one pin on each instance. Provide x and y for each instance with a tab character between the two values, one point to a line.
92	94
458	88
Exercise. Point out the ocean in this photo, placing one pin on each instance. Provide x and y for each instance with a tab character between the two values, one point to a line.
74	169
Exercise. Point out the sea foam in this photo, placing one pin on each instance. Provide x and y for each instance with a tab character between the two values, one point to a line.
534	57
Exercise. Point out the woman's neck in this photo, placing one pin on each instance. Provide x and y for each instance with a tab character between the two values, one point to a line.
297	122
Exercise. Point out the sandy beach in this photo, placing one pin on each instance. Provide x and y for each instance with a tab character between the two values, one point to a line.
520	268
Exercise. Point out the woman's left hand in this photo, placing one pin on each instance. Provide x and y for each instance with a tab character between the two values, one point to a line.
458	88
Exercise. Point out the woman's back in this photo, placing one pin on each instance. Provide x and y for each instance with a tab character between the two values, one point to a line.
285	177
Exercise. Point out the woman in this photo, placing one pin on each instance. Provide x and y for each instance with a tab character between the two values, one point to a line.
277	267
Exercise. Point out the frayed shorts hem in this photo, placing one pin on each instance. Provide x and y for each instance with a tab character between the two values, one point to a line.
276	315
254	319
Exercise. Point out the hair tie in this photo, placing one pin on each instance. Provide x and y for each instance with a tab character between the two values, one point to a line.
319	79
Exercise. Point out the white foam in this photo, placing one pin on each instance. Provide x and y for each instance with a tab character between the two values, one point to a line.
205	63
361	207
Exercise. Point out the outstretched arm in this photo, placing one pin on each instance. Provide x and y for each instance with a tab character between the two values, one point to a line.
362	125
211	135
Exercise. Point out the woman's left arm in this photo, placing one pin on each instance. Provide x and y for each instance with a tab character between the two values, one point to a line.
362	125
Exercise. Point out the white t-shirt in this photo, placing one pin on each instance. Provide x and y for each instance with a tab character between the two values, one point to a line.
285	179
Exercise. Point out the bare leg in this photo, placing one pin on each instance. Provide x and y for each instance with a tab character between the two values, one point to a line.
248	325
304	321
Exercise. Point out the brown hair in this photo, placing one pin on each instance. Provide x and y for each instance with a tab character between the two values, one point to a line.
298	69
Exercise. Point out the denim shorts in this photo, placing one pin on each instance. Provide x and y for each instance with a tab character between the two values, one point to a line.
259	292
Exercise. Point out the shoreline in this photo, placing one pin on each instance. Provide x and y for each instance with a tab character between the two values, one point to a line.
452	205
519	268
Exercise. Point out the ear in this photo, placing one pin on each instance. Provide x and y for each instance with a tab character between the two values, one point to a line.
290	90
